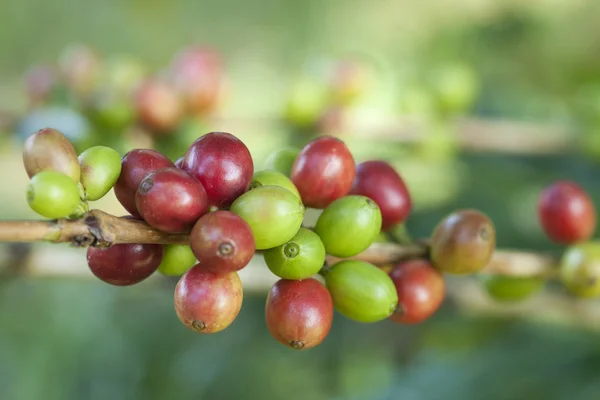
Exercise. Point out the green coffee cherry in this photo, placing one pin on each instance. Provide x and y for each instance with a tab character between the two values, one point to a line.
177	260
274	214
100	169
53	195
349	225
300	258
361	291
508	288
273	178
282	160
580	269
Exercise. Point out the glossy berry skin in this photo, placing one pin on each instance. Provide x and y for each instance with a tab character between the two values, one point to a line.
49	150
463	242
171	200
158	106
53	195
299	313
580	269
300	258
379	181
349	225
323	171
421	290
135	166
124	264
223	164
100	169
566	213
207	301
222	241
177	260
361	291
274	214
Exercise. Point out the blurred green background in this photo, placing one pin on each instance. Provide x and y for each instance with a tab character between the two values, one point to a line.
533	62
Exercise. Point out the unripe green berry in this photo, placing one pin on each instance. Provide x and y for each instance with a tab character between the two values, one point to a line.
53	195
100	169
300	258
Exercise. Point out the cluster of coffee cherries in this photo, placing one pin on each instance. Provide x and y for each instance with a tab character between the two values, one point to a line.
568	217
230	212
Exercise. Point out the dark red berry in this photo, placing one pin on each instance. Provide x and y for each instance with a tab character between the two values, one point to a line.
171	200
222	241
323	171
299	313
135	166
223	164
124	264
566	213
197	74
158	106
421	290
379	181
207	301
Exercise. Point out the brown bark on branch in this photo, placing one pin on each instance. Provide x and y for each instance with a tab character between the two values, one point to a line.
100	229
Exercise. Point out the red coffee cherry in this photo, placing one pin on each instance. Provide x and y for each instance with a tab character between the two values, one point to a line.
207	301
299	313
222	241
566	213
135	166
223	164
323	171
379	181
171	200
124	264
421	290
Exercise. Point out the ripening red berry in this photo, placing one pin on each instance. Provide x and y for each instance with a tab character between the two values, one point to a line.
299	313
207	301
379	181
222	241
323	171
135	166
566	213
198	75
171	200
223	164
124	264
421	290
158	106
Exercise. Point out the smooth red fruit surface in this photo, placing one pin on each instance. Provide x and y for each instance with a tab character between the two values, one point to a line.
124	264
379	181
222	241
158	106
171	200
223	164
207	301
135	166
299	313
421	290
197	74
566	213
323	171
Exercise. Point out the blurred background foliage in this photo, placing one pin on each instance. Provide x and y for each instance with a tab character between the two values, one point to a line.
536	61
